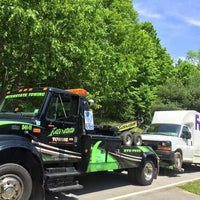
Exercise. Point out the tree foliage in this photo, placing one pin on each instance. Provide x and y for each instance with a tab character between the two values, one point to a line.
182	90
193	57
99	45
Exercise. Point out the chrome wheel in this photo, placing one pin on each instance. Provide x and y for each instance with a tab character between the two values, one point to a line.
145	174
15	182
148	171
11	187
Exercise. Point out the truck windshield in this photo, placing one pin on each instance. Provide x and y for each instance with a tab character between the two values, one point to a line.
163	129
25	104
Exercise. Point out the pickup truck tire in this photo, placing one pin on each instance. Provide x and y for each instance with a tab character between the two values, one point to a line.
178	161
16	182
127	138
145	174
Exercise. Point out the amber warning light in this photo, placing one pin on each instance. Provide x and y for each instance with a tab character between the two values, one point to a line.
78	91
37	130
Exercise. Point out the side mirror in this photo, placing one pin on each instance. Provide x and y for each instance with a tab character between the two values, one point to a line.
186	135
91	102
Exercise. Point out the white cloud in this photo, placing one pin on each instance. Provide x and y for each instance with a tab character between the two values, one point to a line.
177	23
147	13
193	22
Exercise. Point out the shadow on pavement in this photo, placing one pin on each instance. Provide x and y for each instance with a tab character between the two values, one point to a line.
93	182
100	181
172	173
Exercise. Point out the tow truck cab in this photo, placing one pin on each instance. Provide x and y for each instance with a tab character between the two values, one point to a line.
49	115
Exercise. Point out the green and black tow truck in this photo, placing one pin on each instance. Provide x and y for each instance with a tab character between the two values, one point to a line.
48	139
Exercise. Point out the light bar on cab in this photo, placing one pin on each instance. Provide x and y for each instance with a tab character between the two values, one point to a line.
79	91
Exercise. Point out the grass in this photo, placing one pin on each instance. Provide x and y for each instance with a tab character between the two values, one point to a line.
192	187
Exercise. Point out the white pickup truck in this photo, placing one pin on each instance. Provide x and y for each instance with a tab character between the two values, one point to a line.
175	136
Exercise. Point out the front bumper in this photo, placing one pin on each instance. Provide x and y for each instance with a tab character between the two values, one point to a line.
166	156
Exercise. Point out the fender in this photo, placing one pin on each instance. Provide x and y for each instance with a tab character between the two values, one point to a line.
9	141
148	153
18	142
20	150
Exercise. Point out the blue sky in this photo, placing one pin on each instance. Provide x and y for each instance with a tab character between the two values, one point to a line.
177	23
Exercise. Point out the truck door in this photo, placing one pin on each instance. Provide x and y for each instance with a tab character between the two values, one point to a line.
187	145
61	118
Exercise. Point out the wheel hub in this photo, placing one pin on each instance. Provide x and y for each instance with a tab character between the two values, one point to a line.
128	140
10	187
148	172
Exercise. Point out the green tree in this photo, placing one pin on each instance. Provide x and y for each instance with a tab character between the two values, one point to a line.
193	57
182	91
20	41
193	87
96	44
154	67
184	70
171	96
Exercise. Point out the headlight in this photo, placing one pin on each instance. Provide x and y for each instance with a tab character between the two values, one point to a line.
164	146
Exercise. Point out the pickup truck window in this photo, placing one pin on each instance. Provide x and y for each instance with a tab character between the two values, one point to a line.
186	133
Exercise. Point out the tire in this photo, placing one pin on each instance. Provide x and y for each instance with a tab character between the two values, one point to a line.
137	139
145	175
178	161
16	182
38	192
127	138
132	175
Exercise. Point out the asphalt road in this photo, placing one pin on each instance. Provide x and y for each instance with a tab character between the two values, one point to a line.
114	186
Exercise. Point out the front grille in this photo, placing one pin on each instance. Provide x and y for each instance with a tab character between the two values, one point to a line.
153	144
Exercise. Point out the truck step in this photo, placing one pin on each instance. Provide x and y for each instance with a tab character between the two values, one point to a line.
66	188
60	179
61	172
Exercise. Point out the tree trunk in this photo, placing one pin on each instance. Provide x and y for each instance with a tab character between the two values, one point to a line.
4	82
